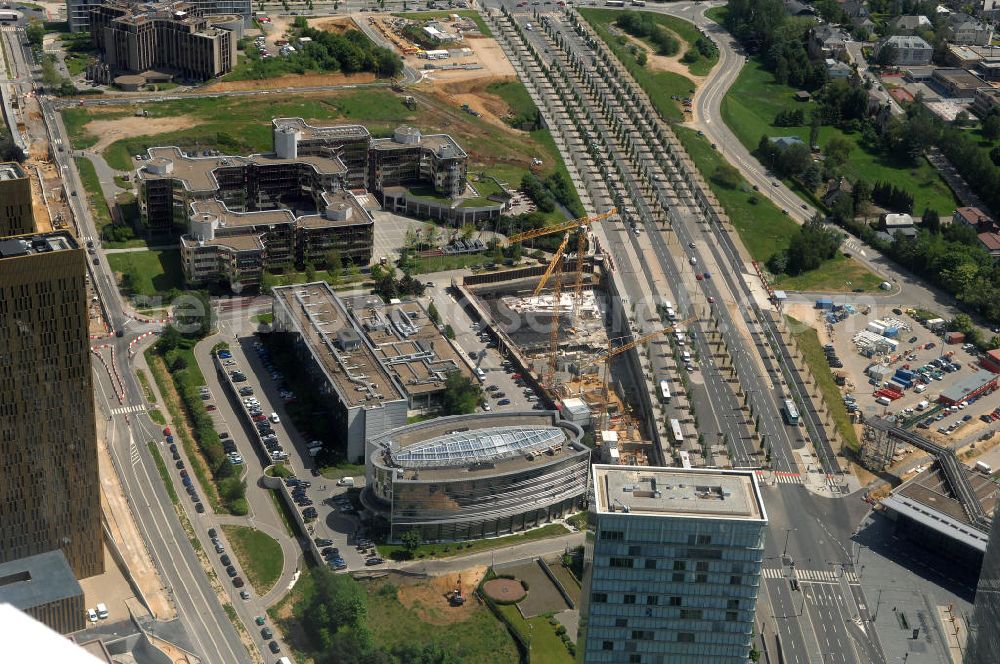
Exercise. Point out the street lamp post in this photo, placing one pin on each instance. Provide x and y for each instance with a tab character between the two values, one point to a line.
788	531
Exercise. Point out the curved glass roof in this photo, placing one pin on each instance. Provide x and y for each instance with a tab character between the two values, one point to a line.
481	445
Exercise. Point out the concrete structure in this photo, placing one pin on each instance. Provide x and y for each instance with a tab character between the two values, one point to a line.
909	50
985	100
171	35
473	476
673	571
964	29
365	400
16	216
927	510
991	361
969	387
43	586
984	628
962	57
957	82
49	493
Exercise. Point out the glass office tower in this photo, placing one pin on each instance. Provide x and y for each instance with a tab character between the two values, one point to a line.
984	630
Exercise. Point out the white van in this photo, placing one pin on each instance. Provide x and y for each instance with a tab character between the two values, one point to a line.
480	374
687	357
884	401
345	481
102	611
923	404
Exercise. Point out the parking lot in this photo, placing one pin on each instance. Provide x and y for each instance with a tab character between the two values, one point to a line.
936	367
333	519
499	382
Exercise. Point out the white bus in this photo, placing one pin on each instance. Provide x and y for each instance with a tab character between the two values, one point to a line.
664	391
685	459
638	3
675	430
614	3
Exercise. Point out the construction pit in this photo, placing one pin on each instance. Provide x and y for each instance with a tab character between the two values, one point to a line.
589	390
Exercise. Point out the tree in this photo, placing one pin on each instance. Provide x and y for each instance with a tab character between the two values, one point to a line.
433	314
641	58
310	271
461	394
794	160
995	156
931	221
169	339
411	540
887	55
467	231
300	22
838	150
727	175
193	314
991	126
449	332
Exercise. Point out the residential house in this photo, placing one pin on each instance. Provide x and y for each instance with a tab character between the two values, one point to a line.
897	223
991	243
964	29
836	190
838	69
974	218
908	25
785	142
826	41
909	50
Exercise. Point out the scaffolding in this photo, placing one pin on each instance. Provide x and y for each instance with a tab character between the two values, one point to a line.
877	448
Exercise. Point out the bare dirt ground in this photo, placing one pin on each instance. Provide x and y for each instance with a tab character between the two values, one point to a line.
291	81
428	598
485	52
110	131
670	63
473	92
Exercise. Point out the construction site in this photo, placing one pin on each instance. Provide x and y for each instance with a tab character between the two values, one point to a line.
554	324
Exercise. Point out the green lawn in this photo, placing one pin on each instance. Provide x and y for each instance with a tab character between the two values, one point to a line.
259	556
287	518
164	475
659	85
438	550
343	469
515	95
95	197
816	359
755	98
763	228
467	13
146	387
837	274
481	638
545	645
152	272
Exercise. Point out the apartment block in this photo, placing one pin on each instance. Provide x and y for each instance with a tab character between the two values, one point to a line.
78	11
171	36
16	217
49	494
673	572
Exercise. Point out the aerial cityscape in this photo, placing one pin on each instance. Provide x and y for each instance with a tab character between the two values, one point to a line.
500	331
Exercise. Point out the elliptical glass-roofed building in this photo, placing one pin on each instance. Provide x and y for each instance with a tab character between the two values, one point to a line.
474	476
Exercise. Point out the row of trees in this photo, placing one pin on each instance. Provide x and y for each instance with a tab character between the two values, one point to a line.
645	26
813	244
892	197
548	191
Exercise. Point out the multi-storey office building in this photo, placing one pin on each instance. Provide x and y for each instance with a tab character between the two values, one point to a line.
293	137
78	11
173	36
474	476
672	574
984	628
16	216
49	492
43	586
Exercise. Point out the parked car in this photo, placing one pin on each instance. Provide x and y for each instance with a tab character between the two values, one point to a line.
238	582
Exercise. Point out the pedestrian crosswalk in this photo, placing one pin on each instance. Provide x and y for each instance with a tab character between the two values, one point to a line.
8	28
778	477
816	575
124	410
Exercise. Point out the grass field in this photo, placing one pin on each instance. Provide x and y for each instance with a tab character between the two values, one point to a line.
287	518
809	343
545	645
438	550
154	272
259	556
426	265
481	638
467	13
342	470
755	98
95	197
764	230
659	85
837	274
514	94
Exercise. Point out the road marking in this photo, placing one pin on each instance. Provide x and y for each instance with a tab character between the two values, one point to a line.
124	410
808	575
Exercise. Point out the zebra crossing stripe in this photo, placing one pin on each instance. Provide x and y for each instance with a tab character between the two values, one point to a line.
125	410
815	575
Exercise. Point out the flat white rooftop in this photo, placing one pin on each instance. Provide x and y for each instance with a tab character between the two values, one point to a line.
678	492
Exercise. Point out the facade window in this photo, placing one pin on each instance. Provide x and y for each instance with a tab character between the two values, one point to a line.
733	604
621	562
652	600
621	622
701	566
732	616
701	578
630	599
704	539
680	565
642	634
599	598
675	601
650	563
635	550
608	645
635	659
690	614
612	535
735	580
678	577
685	637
